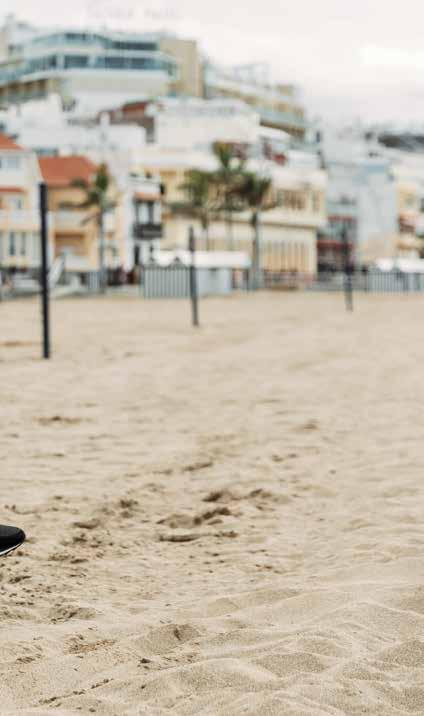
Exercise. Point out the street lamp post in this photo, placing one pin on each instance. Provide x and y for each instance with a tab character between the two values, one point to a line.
193	278
44	279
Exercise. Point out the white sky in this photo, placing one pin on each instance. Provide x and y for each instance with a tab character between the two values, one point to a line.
363	58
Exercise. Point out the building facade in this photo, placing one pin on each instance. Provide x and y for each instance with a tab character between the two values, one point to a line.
19	216
130	227
278	106
288	230
88	70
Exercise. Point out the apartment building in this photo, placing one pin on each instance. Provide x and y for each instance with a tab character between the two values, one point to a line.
75	228
189	79
362	197
130	227
93	71
288	230
19	217
88	70
279	106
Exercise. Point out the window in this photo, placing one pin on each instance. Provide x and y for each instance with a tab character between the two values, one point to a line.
23	244
42	64
114	63
13	162
290	199
76	61
12	243
16	203
137	46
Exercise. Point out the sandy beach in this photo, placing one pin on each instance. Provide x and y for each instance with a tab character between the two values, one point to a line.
228	521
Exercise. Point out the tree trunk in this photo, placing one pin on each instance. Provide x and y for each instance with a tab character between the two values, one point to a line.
207	243
102	271
230	237
205	227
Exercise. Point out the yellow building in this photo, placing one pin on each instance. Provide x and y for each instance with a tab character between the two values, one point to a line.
189	82
288	230
76	234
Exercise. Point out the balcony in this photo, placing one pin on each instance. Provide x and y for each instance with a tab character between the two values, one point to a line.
75	220
282	119
147	232
15	220
69	220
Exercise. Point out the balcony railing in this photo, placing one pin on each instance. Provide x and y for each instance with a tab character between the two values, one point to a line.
69	219
147	232
19	219
287	119
77	220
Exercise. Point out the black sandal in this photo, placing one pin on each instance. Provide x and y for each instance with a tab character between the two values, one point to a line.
10	538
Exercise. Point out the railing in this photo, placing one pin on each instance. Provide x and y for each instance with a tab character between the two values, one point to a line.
147	232
19	219
275	116
165	281
373	281
284	280
69	219
76	219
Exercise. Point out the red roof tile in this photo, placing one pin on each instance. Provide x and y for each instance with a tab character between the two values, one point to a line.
8	143
144	196
11	189
62	171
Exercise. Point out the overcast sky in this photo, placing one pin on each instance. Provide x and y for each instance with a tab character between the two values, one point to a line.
352	59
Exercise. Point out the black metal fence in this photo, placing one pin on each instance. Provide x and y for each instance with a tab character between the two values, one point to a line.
284	280
373	281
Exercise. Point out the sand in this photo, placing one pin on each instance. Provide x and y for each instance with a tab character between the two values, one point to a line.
227	521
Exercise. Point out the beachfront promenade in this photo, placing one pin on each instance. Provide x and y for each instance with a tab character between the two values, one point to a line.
222	521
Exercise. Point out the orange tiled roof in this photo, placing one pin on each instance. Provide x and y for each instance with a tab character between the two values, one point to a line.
8	143
11	189
144	196
62	171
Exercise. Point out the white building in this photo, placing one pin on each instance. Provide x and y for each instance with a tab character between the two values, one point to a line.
89	70
19	215
190	123
361	189
279	106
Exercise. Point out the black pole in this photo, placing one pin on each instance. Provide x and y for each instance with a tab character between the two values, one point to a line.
347	270
193	278
44	278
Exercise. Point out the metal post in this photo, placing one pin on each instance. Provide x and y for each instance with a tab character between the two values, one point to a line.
347	270
193	278
44	278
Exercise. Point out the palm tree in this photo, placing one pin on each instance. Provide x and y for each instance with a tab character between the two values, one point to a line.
254	191
197	188
97	194
228	179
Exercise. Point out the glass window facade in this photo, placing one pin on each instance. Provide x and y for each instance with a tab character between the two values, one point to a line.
12	243
94	39
75	62
49	63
